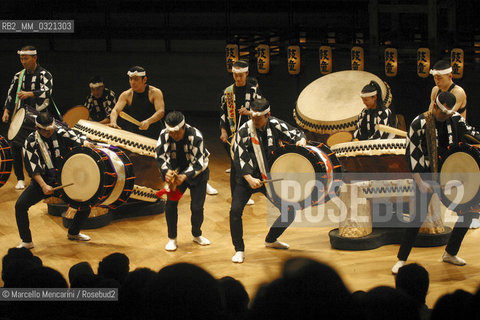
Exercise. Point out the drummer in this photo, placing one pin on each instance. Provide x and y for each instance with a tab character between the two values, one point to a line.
374	113
183	162
32	87
143	102
442	75
235	108
101	100
254	141
429	133
43	152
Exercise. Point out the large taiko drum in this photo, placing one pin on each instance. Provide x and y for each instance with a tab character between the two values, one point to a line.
21	125
460	177
373	156
101	177
74	114
332	103
310	172
6	160
140	150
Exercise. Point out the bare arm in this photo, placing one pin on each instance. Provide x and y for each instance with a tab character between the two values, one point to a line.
461	97
433	94
157	99
119	106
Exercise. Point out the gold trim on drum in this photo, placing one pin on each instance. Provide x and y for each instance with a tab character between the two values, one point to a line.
370	148
119	138
144	194
315	108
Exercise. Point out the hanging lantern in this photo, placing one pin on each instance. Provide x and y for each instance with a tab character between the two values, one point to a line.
231	55
423	62
325	56
391	62
357	58
263	58
293	58
457	58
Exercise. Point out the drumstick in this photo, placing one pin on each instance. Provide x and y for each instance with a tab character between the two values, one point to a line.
129	118
384	128
63	186
272	180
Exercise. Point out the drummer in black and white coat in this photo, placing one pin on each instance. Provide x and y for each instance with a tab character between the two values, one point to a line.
254	141
429	133
183	162
374	113
43	152
100	101
34	85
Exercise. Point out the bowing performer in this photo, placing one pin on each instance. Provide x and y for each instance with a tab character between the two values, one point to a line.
31	87
235	107
43	151
254	142
183	162
143	102
100	101
374	113
429	134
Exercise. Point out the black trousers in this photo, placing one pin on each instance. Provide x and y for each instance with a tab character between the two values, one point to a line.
241	194
17	155
233	170
198	192
421	210
31	196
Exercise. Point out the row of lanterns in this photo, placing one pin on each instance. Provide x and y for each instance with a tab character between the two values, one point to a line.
357	59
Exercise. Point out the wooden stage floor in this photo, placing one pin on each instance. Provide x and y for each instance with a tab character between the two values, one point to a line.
143	239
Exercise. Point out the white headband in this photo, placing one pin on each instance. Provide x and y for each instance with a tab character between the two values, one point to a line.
239	70
96	85
434	72
49	127
368	94
136	74
27	52
259	113
176	128
443	108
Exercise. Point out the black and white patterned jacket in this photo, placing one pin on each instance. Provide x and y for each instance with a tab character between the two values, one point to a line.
416	151
252	92
194	148
244	155
369	118
62	140
101	108
40	83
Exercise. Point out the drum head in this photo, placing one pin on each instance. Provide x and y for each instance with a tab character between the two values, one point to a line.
339	137
83	171
74	114
332	102
297	173
462	169
16	123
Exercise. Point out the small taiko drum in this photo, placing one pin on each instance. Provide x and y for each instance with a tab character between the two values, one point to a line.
74	114
310	172
140	150
373	156
460	177
332	103
339	137
102	176
21	125
6	161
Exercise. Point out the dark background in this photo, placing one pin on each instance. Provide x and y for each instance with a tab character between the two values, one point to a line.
181	45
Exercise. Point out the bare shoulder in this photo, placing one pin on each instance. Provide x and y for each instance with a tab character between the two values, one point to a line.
127	94
154	90
434	92
458	91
